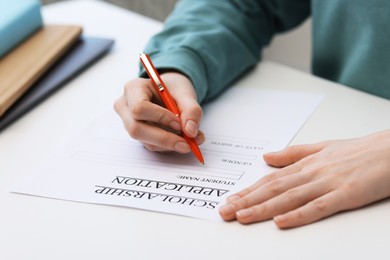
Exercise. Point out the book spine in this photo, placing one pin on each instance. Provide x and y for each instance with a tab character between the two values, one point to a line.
19	19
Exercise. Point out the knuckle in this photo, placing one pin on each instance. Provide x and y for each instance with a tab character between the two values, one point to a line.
128	86
245	191
160	116
350	186
273	187
320	205
151	148
264	209
299	165
165	140
241	203
292	196
133	130
117	106
136	110
352	193
298	215
270	177
131	83
309	173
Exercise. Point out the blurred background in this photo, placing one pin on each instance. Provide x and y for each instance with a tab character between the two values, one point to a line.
291	48
156	9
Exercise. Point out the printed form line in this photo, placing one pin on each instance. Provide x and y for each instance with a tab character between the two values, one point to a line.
150	164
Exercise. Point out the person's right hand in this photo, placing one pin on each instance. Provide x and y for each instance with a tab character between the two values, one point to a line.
147	120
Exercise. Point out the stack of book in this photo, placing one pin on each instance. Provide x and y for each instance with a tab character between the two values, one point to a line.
37	58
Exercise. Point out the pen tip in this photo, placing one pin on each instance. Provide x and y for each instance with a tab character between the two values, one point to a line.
202	162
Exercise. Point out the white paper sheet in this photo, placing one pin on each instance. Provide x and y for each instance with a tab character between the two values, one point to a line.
104	165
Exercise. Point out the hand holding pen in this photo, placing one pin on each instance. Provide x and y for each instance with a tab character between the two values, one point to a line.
147	121
168	101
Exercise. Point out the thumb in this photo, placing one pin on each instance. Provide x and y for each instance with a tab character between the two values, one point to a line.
291	154
191	116
183	92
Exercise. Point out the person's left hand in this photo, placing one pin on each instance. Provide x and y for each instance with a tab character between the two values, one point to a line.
318	180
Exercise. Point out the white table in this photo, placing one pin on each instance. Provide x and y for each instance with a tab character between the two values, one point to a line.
40	228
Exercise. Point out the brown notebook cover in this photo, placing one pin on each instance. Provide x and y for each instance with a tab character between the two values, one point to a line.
24	65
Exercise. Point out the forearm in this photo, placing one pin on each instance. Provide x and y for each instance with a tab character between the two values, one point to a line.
214	42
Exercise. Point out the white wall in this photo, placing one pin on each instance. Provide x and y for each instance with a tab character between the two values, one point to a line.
292	48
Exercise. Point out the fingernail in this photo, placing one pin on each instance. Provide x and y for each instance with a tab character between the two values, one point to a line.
227	209
281	218
192	128
175	126
182	147
244	213
233	198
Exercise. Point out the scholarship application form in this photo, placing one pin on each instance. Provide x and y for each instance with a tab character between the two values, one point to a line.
104	165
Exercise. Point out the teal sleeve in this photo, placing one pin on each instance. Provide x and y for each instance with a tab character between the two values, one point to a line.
213	42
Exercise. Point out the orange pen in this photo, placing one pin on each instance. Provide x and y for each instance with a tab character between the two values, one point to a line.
168	100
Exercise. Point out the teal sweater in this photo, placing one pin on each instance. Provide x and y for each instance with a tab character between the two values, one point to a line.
214	42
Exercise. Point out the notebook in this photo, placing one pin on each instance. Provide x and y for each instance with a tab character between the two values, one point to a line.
86	51
20	68
19	19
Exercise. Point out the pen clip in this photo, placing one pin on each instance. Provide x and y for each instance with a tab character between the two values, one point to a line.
151	71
